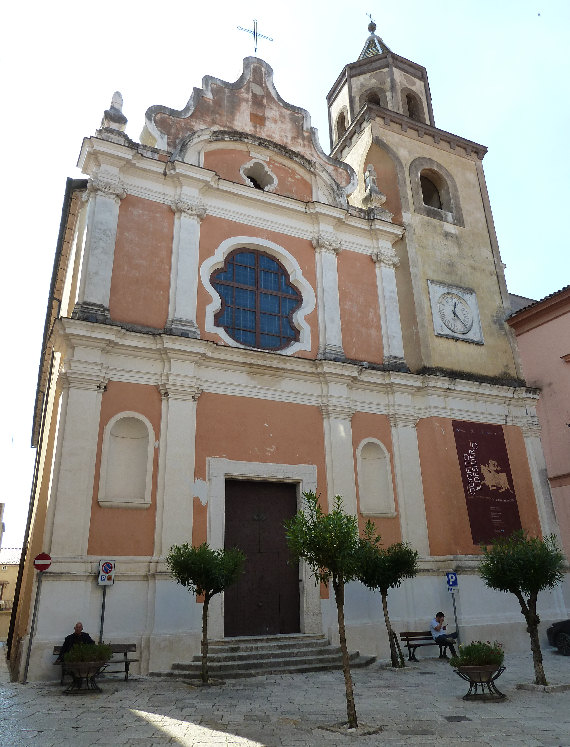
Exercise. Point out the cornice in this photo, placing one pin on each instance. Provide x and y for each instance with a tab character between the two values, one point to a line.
202	366
371	114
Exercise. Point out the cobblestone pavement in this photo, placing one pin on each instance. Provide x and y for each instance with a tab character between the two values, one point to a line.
419	705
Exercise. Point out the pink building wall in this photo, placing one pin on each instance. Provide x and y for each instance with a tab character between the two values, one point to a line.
543	336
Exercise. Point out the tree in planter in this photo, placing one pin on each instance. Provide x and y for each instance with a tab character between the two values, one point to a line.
383	569
524	566
208	572
329	544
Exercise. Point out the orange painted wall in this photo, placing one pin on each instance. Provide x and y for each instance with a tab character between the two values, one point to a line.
256	430
359	312
227	162
446	509
215	230
125	531
522	479
366	425
140	284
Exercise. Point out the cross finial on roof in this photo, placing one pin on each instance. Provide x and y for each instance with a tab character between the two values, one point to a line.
255	33
374	44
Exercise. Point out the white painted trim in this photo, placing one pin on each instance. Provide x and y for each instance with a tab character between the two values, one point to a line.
217	260
101	496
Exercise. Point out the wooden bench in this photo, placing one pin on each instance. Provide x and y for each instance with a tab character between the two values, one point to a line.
413	639
122	662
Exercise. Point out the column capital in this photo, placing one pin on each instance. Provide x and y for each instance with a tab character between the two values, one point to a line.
107	185
95	381
337	410
178	391
327	243
189	207
385	256
403	419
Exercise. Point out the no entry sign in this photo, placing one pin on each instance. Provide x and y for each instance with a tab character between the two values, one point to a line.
42	561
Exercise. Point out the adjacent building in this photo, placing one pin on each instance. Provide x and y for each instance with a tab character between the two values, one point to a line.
236	318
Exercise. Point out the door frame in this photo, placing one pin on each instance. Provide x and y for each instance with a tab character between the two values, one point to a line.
305	478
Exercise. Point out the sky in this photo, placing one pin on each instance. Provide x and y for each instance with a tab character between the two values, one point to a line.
498	73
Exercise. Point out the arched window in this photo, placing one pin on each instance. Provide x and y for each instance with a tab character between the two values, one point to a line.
375	479
412	105
258	300
435	192
430	192
373	98
340	125
126	461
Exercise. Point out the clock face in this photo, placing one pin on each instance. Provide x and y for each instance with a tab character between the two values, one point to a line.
455	313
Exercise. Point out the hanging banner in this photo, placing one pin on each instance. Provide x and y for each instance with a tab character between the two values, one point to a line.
487	480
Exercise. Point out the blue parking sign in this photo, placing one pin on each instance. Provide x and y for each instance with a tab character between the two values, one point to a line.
452	580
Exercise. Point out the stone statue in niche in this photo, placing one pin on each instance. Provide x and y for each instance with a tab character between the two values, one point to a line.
373	198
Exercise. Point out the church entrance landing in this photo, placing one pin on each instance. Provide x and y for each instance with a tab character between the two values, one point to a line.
265	600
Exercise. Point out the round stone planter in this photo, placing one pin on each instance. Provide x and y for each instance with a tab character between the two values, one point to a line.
481	679
83	674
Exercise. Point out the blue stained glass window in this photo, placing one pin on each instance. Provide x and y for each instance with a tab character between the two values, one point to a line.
258	300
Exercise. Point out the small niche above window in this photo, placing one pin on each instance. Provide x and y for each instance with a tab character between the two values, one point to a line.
257	175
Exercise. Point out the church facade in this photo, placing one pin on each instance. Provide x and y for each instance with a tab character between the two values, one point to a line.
236	318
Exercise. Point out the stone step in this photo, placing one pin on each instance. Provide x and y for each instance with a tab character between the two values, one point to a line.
253	655
275	666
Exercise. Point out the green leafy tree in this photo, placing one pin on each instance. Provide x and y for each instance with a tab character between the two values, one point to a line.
383	569
524	566
206	572
329	544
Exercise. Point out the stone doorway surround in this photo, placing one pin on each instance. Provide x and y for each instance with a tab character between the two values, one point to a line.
305	477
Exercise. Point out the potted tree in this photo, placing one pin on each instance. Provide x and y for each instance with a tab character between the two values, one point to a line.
84	662
480	663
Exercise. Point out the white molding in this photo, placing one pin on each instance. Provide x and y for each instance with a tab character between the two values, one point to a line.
296	277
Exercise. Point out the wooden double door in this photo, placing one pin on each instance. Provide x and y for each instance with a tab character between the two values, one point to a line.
265	600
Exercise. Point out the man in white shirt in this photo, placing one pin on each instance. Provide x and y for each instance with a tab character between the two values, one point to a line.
438	631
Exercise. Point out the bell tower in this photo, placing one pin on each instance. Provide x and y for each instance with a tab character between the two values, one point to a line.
379	78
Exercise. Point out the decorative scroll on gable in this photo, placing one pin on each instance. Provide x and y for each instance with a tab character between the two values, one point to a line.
251	108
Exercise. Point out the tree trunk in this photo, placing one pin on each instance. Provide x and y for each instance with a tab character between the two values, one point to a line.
338	587
532	621
204	672
396	661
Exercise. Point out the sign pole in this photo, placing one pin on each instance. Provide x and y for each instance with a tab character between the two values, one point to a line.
33	627
455	615
102	614
41	563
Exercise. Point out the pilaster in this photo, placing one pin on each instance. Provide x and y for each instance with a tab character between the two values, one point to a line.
386	261
189	212
73	492
539	474
337	416
327	246
105	191
177	451
411	507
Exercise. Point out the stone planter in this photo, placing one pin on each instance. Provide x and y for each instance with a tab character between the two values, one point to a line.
83	675
481	679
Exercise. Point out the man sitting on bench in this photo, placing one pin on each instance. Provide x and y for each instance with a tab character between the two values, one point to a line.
71	640
439	635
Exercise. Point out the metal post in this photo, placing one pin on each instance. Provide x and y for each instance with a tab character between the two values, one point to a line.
102	614
33	627
455	615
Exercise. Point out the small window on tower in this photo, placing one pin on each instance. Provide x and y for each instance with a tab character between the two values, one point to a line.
430	192
340	125
373	98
